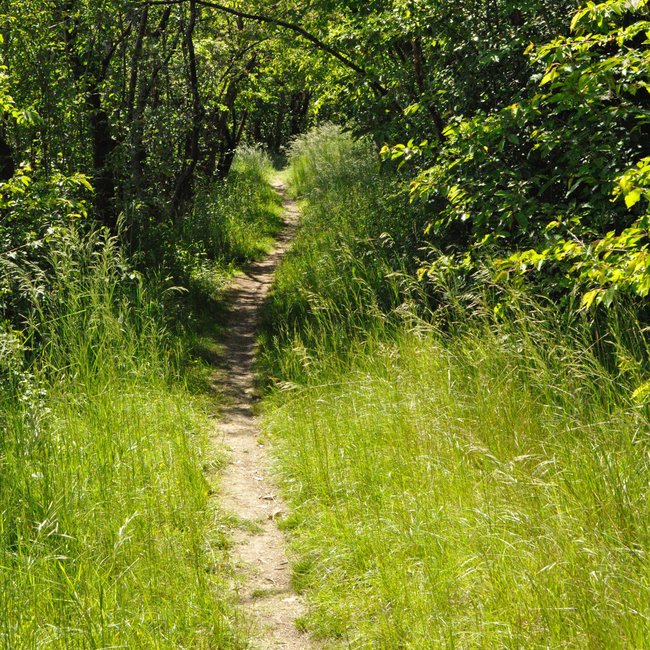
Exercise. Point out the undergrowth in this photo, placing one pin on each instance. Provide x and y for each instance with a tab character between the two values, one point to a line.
473	482
348	273
231	224
108	534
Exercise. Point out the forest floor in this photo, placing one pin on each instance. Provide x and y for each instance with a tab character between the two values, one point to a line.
249	495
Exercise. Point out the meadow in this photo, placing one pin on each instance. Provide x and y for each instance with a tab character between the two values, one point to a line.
460	476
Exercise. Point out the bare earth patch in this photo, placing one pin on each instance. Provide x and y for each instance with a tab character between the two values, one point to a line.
269	604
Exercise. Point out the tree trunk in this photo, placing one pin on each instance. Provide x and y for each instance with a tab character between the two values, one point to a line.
137	151
185	181
103	146
7	164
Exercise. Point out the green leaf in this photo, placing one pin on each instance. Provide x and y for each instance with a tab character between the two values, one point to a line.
589	298
550	75
633	197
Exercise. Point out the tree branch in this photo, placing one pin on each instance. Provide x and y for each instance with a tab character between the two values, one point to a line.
379	88
375	84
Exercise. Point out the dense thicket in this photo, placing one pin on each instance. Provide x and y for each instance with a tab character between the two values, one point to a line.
526	127
143	100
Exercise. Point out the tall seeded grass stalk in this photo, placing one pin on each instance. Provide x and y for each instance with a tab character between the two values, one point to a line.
85	301
326	158
106	536
485	487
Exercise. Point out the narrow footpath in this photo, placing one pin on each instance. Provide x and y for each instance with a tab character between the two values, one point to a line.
267	600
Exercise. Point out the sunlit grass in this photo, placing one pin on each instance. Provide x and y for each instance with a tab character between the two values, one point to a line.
451	493
477	485
107	538
107	534
232	224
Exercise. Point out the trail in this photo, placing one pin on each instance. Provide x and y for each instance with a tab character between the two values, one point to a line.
269	604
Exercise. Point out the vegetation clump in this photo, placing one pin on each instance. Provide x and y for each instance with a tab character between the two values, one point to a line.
456	350
108	535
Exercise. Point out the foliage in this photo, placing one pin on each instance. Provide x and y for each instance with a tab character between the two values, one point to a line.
530	187
231	224
149	102
232	219
350	269
477	484
432	58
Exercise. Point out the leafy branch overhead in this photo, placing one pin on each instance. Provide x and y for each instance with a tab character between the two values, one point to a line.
524	131
558	181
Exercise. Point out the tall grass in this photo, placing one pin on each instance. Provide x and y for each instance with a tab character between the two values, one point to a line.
237	220
107	538
348	272
485	487
232	223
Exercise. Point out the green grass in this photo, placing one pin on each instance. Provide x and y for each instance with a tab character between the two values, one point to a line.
481	487
231	225
109	536
348	274
458	495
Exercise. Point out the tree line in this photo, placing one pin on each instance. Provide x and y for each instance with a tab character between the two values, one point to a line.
523	128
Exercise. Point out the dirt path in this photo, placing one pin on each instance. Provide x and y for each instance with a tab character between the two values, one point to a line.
269	604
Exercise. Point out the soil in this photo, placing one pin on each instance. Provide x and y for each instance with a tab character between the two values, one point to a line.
268	602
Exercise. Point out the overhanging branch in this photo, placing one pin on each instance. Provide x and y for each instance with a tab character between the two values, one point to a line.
374	83
379	88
